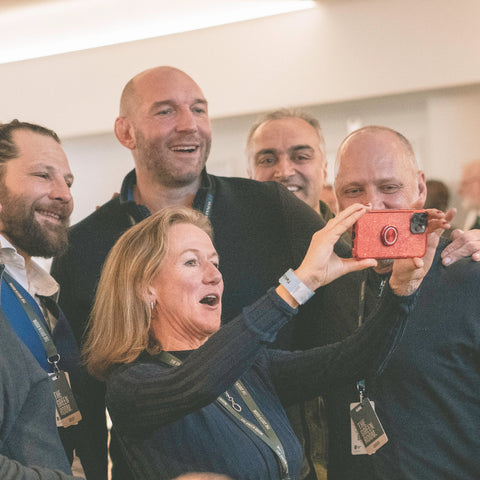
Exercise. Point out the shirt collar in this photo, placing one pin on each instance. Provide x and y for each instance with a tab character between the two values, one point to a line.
36	281
130	180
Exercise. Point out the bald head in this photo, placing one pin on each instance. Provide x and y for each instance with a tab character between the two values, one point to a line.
164	122
378	165
135	86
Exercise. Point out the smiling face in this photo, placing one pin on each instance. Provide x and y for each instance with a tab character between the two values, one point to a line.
164	121
35	196
376	167
187	290
288	151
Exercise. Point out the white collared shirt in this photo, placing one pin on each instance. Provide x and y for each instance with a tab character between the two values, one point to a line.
36	280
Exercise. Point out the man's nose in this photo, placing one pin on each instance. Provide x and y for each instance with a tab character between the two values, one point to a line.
60	190
284	168
376	201
186	121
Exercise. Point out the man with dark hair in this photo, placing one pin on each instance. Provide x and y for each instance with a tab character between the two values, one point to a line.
37	345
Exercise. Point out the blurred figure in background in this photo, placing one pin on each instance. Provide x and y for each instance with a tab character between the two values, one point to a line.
470	193
438	195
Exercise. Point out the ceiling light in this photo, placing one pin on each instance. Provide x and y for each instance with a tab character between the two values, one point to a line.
66	26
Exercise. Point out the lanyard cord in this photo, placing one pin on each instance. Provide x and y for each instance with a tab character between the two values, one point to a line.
265	433
207	204
53	356
361	314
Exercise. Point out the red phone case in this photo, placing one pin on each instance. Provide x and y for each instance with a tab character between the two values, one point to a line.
386	234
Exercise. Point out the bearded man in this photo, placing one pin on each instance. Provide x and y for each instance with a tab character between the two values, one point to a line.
37	345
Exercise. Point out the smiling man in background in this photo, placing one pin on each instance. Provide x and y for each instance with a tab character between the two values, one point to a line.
287	147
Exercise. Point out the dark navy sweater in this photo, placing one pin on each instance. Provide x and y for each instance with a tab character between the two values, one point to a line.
167	419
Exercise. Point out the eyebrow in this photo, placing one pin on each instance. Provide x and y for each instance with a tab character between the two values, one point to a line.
196	251
161	103
295	148
69	176
263	151
381	181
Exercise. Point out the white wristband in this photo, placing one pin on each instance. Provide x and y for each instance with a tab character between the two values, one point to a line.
295	287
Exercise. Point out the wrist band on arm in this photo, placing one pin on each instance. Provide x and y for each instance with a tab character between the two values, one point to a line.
295	287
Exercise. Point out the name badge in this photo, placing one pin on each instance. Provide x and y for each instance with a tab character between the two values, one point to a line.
67	412
367	431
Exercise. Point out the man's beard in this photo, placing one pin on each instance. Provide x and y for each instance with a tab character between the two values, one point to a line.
159	162
25	232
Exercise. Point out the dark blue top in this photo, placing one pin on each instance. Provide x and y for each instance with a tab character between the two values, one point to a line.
167	419
428	397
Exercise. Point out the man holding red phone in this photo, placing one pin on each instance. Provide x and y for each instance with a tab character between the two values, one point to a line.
426	393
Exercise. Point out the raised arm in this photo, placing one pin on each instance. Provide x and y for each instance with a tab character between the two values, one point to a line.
302	375
146	394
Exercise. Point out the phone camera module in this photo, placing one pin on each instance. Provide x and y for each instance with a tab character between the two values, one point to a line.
418	222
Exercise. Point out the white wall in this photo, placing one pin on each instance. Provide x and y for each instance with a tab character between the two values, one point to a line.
341	50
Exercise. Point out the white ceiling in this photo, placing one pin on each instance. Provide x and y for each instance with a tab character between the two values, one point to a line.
37	28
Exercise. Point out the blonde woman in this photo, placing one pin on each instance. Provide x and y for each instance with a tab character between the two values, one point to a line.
184	394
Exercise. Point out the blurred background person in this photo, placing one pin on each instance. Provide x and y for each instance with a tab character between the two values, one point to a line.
438	195
470	193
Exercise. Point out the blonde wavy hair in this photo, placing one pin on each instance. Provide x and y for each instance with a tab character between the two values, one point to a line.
119	326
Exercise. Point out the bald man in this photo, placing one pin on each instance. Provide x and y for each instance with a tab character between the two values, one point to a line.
426	394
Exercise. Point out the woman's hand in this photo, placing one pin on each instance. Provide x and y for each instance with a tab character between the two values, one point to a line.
321	264
408	273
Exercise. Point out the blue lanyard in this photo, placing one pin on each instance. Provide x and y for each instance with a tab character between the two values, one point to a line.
37	322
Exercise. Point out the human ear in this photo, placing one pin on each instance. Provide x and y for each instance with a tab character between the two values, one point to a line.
422	189
125	133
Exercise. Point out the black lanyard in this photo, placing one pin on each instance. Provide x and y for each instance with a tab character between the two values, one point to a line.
53	356
361	314
207	204
265	432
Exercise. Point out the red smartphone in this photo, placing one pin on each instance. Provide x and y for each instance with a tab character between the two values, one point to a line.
390	234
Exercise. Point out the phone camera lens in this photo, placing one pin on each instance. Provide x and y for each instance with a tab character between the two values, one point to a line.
418	222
